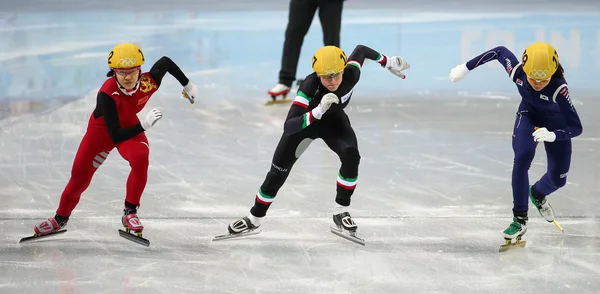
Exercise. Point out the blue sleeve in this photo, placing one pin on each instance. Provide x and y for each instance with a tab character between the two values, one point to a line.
500	53
574	127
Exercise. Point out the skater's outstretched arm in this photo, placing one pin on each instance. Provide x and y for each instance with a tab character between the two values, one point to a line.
166	65
508	60
355	61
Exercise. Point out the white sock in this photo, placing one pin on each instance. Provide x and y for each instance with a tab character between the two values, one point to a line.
337	209
255	220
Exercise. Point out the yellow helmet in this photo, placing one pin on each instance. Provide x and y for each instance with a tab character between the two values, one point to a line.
329	60
125	55
540	61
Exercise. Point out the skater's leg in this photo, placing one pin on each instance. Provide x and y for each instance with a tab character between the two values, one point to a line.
300	16
330	15
559	161
524	150
136	151
93	150
289	149
341	139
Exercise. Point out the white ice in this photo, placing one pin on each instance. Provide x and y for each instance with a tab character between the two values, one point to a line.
432	199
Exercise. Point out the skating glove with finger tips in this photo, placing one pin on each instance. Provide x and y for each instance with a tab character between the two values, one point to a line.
458	73
543	135
151	118
395	64
324	105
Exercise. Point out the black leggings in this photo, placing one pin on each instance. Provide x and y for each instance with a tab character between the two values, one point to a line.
338	134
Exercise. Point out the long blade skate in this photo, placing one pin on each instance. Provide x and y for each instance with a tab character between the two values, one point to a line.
35	237
558	226
510	245
280	101
351	236
239	235
133	238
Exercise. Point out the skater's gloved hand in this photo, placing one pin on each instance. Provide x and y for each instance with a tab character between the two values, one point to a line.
458	73
190	91
151	118
326	102
543	135
396	65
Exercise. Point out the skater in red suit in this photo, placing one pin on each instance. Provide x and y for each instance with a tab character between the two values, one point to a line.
114	124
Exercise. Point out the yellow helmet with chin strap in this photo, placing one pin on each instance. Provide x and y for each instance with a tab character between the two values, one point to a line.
329	61
125	55
540	61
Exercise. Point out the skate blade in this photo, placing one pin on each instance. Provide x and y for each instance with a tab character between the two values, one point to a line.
280	101
558	226
348	236
233	236
31	238
134	238
506	247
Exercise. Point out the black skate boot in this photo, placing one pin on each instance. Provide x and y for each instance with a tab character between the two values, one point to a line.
346	227
344	221
245	226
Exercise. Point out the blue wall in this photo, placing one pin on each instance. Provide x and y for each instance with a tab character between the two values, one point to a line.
49	55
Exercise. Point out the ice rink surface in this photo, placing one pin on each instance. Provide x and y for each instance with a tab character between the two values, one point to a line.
432	199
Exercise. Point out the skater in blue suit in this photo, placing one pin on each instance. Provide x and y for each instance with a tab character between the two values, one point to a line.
546	114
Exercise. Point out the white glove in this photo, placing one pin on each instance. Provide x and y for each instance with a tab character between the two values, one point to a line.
190	91
396	65
151	118
543	135
458	73
324	105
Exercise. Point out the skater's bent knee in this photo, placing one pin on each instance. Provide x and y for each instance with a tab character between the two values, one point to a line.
559	181
350	156
139	160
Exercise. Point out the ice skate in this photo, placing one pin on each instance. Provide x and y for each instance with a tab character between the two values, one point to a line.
515	230
346	227
279	90
132	227
49	227
542	205
243	227
544	208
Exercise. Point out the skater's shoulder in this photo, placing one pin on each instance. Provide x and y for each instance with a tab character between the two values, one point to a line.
310	84
109	85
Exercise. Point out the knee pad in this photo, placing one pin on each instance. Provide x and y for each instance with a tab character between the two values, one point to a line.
302	147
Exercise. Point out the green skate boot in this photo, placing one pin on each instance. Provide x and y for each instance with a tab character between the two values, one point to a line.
542	205
515	230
